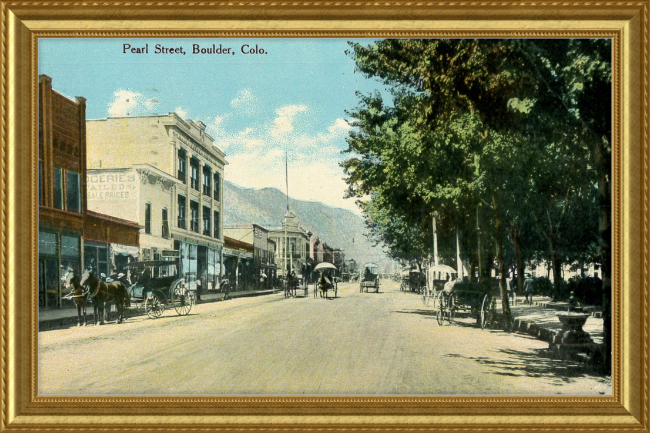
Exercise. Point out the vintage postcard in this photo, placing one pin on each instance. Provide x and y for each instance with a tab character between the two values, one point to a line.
292	217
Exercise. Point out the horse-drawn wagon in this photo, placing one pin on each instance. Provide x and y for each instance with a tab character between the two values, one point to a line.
369	278
159	285
475	298
325	283
436	278
413	281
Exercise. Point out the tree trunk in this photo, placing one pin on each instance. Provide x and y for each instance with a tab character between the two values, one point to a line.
505	304
520	261
556	265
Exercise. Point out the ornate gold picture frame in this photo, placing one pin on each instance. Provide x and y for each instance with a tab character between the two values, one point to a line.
626	23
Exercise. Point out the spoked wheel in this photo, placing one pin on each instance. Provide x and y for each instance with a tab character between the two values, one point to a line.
154	307
183	299
425	298
441	311
452	309
483	315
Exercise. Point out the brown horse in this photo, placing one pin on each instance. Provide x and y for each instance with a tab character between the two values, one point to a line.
77	294
102	293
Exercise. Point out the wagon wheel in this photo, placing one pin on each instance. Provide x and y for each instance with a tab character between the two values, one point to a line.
452	309
154	306
425	297
183	299
485	305
441	311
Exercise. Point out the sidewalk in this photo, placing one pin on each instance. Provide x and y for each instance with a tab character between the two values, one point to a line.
540	321
67	317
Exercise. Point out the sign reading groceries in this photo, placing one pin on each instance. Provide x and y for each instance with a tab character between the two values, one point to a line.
112	186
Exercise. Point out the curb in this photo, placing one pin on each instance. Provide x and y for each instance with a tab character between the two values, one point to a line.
71	321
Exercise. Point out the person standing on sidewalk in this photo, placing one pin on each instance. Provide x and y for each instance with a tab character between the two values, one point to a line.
528	289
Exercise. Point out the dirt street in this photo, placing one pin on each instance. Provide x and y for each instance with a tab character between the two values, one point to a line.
358	343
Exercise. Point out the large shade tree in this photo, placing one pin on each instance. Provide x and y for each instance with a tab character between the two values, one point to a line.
519	127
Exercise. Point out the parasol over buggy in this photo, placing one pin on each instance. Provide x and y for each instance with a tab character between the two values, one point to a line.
322	284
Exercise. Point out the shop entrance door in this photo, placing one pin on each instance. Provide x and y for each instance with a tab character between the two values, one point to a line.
48	282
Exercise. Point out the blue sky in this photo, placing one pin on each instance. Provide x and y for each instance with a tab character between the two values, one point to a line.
292	97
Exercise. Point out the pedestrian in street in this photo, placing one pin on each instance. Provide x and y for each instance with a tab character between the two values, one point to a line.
528	289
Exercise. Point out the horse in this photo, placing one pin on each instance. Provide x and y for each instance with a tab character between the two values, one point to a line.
324	285
102	292
77	293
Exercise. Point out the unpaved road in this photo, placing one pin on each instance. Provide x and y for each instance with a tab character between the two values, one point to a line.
358	343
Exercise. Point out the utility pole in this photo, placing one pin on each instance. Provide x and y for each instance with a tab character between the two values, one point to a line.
458	260
435	241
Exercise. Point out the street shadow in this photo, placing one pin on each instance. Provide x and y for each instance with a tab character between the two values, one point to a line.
420	312
536	363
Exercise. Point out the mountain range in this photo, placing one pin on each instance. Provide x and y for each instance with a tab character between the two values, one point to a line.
339	228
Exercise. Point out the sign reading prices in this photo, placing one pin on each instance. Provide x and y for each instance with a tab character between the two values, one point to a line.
112	186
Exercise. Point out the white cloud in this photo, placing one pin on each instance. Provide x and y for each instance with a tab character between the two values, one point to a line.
151	103
245	102
126	103
283	124
181	112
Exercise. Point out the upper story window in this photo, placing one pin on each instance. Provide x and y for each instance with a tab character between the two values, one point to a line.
147	218
217	185
194	222
194	173
181	211
207	176
58	188
73	191
165	224
182	165
206	221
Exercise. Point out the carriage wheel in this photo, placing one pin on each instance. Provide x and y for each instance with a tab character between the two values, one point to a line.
154	307
183	299
425	298
452	309
441	312
483	318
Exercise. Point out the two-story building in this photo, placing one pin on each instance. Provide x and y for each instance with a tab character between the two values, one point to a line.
68	234
166	174
263	259
293	246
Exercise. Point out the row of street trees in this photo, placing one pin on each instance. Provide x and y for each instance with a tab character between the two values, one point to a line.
507	142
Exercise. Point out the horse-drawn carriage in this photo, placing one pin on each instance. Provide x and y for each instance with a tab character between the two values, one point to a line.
293	284
159	285
413	281
325	283
369	278
476	298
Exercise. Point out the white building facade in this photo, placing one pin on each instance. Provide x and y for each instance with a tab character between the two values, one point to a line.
166	174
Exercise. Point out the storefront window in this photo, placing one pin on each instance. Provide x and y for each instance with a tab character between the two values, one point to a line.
73	191
58	188
47	243
96	258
